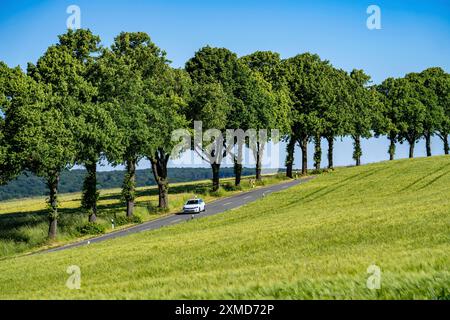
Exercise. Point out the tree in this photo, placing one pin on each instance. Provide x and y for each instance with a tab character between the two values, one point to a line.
333	111
96	135
362	106
219	73
209	104
125	72
443	90
63	70
423	85
40	134
4	73
169	95
71	78
266	98
412	113
436	97
388	119
304	75
290	149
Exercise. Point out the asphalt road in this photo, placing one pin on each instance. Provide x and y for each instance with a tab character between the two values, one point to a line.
212	208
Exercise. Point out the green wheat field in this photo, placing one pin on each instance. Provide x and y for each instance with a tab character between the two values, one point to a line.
312	241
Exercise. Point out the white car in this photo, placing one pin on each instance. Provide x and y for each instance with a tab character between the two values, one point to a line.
194	206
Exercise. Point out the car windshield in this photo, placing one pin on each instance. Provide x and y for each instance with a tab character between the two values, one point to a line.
192	202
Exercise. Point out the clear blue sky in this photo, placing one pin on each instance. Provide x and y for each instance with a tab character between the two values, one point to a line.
414	35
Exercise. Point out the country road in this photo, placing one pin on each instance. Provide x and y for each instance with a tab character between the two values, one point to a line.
215	207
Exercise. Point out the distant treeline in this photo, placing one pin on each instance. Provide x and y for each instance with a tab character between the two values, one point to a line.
29	185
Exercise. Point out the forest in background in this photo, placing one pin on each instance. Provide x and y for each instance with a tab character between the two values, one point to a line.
29	185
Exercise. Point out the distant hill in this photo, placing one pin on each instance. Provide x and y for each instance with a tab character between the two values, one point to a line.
28	185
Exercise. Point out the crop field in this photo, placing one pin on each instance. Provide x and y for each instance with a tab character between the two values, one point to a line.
313	241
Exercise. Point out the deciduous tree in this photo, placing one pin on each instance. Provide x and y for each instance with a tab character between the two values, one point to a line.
305	78
4	73
96	135
169	94
423	86
126	70
388	120
40	134
362	106
412	113
266	99
333	111
219	73
436	97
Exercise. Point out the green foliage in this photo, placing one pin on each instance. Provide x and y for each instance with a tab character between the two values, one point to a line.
129	187
404	112
317	152
273	114
91	228
4	72
433	85
309	83
217	193
46	124
134	82
363	105
124	220
231	187
413	112
424	84
90	194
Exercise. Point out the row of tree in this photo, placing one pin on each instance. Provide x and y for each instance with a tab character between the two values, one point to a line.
82	103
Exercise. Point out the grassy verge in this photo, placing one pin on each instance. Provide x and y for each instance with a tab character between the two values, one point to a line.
24	225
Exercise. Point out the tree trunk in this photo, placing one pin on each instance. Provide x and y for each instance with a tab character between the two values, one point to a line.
52	184
216	179
290	157
428	143
258	161
163	197
90	193
304	147
330	140
237	173
391	147
411	148
357	149
446	146
444	138
238	165
159	169
129	187
317	152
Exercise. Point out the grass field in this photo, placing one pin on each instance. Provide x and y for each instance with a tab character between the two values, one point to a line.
313	241
24	223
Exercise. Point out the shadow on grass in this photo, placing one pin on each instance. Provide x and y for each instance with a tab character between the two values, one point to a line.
12	225
200	188
20	231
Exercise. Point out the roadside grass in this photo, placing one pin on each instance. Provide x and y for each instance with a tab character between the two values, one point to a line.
313	241
24	224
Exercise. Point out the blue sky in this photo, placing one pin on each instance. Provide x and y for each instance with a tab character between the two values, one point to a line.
414	35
